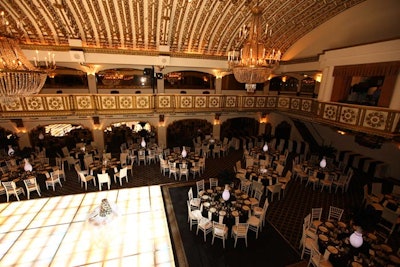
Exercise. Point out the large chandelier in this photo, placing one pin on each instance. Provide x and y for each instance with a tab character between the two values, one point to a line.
253	63
18	76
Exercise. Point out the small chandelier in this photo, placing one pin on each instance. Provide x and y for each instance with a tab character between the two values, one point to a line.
18	77
253	63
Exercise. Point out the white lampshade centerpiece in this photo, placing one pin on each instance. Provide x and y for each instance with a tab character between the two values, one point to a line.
27	166
356	239
10	151
226	194
143	143
265	147
322	163
184	152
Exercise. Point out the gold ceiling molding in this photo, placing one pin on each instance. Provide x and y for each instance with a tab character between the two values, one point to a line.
199	27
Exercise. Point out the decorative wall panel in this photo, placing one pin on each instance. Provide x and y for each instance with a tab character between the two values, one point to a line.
34	103
349	115
330	112
84	102
375	119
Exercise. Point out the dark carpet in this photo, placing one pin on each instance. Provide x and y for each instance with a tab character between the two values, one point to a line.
270	249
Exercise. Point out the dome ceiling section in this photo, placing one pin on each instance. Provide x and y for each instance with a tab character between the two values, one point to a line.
200	27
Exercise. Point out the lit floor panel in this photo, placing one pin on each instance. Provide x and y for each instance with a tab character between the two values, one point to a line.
56	232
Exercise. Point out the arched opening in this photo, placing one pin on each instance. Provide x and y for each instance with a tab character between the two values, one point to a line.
181	133
128	134
54	137
239	127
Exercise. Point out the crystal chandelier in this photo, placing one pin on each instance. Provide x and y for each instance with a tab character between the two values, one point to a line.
253	63
18	77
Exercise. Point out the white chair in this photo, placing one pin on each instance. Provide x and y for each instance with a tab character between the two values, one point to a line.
31	185
307	243
274	189
239	168
205	225
193	215
12	189
254	223
340	183
217	151
316	214
53	180
164	166
240	231
200	187
88	160
194	202
195	169
317	259
245	186
173	170
183	171
220	231
335	214
151	157
72	161
141	156
388	222
312	179
261	212
86	178
123	173
104	178
327	182
307	230
213	182
202	164
377	190
255	200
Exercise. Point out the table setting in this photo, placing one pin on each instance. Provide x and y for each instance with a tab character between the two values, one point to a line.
237	205
337	238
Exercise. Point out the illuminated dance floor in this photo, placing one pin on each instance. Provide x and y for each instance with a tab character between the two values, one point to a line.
56	231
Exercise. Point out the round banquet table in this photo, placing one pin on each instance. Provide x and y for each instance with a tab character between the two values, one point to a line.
238	205
334	237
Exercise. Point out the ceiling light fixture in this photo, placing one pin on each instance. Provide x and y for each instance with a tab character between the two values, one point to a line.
18	76
253	63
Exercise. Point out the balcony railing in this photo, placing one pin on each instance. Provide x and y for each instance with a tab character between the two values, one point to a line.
373	120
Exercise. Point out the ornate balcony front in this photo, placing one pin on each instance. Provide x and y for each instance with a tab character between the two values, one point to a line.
372	120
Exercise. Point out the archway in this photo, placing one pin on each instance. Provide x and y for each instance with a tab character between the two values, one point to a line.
54	137
238	127
127	134
181	133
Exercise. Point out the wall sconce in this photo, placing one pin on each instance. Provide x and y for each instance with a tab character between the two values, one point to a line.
263	118
161	120
318	77
216	118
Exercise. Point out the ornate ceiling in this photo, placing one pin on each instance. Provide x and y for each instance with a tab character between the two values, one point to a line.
206	28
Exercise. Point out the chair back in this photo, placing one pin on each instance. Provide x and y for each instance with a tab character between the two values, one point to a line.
30	182
9	186
103	178
335	213
316	214
200	185
123	172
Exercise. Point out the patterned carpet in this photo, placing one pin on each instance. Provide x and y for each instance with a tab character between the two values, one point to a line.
286	215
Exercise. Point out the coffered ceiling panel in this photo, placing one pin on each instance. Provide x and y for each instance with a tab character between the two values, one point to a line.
186	27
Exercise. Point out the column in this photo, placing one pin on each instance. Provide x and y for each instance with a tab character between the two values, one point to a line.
261	128
217	131
395	101
162	135
325	89
98	137
23	140
92	83
218	85
160	86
